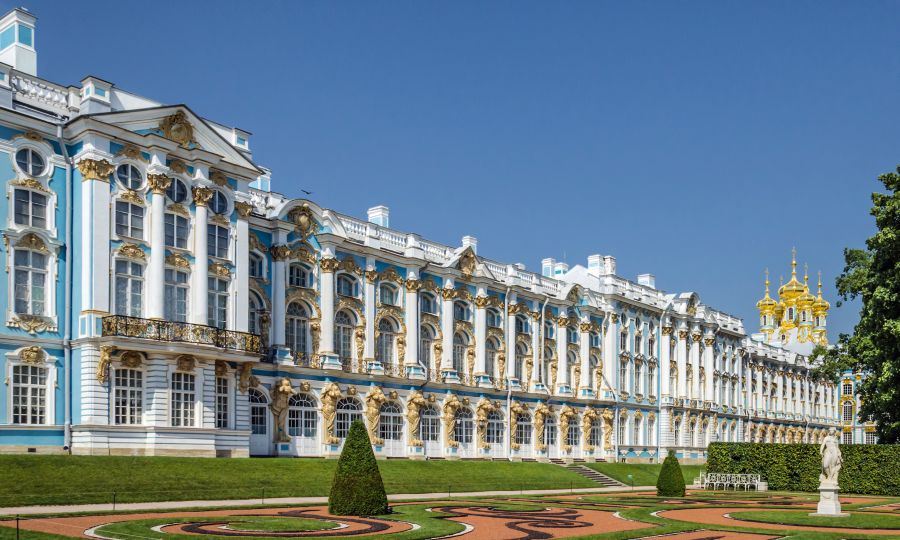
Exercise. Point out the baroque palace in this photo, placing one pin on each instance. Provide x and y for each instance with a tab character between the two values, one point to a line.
162	300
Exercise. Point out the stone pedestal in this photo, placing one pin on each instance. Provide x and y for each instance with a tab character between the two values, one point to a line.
829	505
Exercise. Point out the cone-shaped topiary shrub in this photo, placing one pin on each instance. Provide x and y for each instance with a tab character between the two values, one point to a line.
670	482
357	488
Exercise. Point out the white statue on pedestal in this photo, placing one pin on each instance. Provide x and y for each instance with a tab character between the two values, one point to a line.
829	504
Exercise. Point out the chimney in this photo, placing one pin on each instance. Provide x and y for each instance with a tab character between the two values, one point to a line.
609	265
595	262
17	41
380	215
560	268
95	95
647	280
547	266
470	241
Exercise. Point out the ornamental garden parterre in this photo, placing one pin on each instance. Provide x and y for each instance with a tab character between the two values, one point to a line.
161	299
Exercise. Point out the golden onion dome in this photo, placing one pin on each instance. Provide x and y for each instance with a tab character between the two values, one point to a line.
793	289
805	300
767	305
820	306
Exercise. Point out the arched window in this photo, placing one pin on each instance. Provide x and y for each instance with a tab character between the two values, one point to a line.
573	433
430	427
522	326
384	350
302	416
462	431
428	303
676	431
426	344
494	320
296	323
387	295
572	334
491	347
346	285
460	341
550	430
572	360
217	302
519	368
30	278
255	308
256	265
848	411
651	431
549	330
177	191
638	377
348	411
30	162
460	311
548	359
258	412
595	339
623	420
129	176
299	276
30	208
494	430
523	429
217	239
129	282
343	335
390	427
636	430
651	379
623	375
596	433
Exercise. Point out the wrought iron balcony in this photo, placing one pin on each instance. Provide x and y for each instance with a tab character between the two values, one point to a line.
179	332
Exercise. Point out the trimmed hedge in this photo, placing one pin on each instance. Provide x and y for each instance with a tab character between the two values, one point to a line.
357	488
670	482
868	469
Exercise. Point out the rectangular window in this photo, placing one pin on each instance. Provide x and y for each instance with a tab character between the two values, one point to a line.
129	220
30	277
222	395
8	36
848	438
182	400
176	295
30	208
431	427
176	231
129	282
217	302
128	397
29	395
25	35
217	241
870	437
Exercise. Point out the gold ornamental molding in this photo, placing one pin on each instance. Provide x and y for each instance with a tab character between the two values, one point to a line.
243	209
132	152
177	128
178	261
94	169
30	183
32	355
220	270
158	183
218	178
202	195
131	251
33	242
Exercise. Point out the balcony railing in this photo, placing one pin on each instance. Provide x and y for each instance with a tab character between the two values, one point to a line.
179	332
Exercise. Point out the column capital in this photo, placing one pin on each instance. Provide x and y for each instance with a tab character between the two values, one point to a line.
329	265
243	209
158	183
95	169
202	195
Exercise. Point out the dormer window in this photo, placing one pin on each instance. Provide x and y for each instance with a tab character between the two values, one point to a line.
30	162
129	176
219	203
387	295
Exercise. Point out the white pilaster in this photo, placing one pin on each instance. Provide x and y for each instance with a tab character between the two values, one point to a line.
156	268
563	386
370	311
413	369
326	304
481	338
242	268
200	273
447	369
279	291
665	364
610	335
684	336
585	388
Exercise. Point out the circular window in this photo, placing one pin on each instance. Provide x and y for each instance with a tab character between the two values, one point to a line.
177	191
218	204
30	161
129	176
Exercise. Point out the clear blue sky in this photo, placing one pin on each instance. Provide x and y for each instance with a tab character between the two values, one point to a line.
698	141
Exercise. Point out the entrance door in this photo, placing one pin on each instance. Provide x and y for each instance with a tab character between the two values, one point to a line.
260	437
391	429
303	425
551	437
430	430
464	433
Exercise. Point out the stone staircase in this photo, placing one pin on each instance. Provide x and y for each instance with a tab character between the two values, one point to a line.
589	473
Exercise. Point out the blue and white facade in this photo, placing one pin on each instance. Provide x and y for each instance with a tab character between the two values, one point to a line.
162	300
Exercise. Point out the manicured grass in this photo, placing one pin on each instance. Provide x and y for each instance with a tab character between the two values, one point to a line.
645	474
280	524
28	480
863	520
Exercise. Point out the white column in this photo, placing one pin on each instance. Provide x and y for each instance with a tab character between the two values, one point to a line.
537	350
447	330
480	334
280	253
694	365
781	384
510	336
242	267
684	336
156	269
412	324
708	343
610	362
326	305
665	362
562	356
584	354
200	272
95	232
370	311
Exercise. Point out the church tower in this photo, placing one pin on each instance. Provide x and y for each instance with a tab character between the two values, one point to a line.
796	317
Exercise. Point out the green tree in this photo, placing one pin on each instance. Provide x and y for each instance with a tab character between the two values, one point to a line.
670	482
357	488
873	276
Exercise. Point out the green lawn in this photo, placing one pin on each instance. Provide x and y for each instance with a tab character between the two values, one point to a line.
862	520
279	524
93	479
645	474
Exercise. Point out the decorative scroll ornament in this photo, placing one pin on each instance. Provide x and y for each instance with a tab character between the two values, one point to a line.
221	368
329	265
131	359
220	270
30	135
281	253
374	400
132	196
178	261
413	285
177	128
177	166
331	393
185	362
33	242
220	220
33	324
32	355
218	178
103	363
202	195
94	169
30	183
158	183
246	372
451	405
349	265
390	274
131	251
414	404
302	218
303	253
256	244
179	209
243	209
131	151
467	263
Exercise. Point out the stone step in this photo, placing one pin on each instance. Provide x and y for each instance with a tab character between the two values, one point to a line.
595	476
